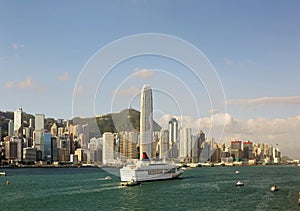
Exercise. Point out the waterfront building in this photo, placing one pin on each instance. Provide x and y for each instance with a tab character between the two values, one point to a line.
54	156
39	121
128	145
195	149
146	121
248	150
185	144
205	153
38	141
85	137
164	144
29	155
200	139
18	122
215	153
13	149
108	148
74	159
62	155
65	144
236	149
10	128
80	154
47	146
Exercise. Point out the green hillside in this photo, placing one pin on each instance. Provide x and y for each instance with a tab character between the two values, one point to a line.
126	120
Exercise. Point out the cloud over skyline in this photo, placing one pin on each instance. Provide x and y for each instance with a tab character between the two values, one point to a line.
263	101
64	77
131	91
17	46
143	73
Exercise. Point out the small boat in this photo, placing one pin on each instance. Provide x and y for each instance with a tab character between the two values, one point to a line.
7	182
107	178
132	182
239	183
274	188
237	172
299	199
2	173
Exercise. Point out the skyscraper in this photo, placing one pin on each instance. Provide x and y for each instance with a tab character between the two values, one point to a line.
108	148
10	128
39	121
18	122
173	130
146	121
164	144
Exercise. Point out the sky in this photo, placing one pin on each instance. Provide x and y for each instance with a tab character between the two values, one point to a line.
249	50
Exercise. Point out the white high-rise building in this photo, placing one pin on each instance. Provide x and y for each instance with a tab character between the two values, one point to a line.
164	144
173	130
108	148
185	144
39	121
146	121
18	122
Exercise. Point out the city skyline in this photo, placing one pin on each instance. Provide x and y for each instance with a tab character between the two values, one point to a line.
253	47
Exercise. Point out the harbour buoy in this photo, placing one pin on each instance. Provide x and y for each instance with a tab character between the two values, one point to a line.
7	182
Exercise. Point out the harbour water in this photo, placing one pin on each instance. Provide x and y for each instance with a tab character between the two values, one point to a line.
206	188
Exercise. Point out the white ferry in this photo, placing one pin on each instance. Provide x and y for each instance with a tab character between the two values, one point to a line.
146	170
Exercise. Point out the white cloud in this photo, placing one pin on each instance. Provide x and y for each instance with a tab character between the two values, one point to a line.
79	89
17	46
9	84
262	101
64	77
143	73
131	91
26	83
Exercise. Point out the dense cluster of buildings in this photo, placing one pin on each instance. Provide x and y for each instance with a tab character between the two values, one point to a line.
71	144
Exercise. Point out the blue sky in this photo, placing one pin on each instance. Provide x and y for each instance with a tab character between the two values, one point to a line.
254	47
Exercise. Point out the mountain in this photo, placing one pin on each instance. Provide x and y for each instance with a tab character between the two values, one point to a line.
126	120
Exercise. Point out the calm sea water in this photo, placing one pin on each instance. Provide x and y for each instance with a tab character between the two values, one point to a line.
198	189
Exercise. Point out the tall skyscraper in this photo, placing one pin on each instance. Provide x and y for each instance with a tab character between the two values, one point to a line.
146	121
10	128
18	122
39	121
185	144
173	130
108	148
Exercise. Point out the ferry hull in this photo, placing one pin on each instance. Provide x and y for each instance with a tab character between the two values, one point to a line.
141	175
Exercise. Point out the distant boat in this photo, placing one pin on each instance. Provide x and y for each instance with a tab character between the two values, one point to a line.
239	183
274	188
107	178
2	173
237	172
299	199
